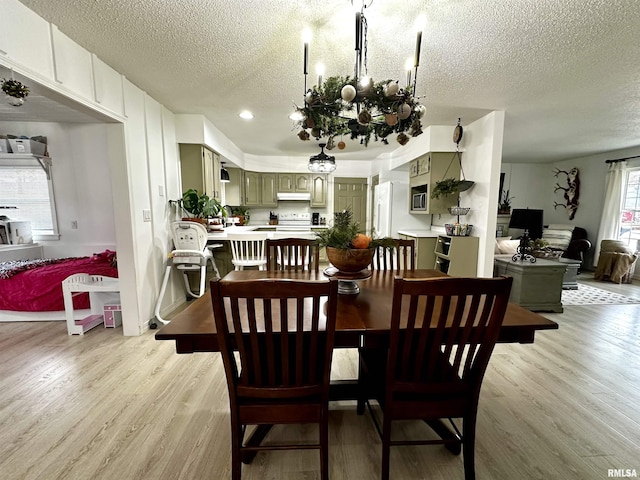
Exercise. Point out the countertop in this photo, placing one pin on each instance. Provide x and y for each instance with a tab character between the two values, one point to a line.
418	233
271	233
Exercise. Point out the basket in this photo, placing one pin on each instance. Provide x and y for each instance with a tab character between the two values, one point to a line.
458	210
458	229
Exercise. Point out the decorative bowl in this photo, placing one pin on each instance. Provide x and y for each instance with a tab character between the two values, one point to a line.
350	260
458	210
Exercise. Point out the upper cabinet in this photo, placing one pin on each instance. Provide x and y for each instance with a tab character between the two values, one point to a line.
269	190
198	170
438	166
25	38
294	182
318	190
73	66
233	190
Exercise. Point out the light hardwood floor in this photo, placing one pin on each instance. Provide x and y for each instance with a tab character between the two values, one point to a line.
104	406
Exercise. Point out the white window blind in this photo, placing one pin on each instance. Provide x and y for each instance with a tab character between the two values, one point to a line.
27	188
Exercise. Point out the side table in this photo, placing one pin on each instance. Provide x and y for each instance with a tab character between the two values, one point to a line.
536	286
570	279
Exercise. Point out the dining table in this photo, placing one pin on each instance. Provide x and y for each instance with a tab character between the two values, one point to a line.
363	319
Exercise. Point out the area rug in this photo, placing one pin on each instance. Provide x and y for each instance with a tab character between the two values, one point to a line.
587	295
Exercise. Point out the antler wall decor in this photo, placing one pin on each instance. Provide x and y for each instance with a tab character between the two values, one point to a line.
571	192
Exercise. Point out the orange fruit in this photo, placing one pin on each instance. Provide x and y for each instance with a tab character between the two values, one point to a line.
361	241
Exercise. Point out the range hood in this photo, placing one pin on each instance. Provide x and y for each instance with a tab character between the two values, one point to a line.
300	197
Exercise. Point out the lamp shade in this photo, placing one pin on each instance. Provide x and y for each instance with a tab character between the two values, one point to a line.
322	163
527	219
224	175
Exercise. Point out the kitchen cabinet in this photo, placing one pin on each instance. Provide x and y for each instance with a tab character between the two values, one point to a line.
419	166
260	189
435	167
252	189
457	256
268	190
199	170
318	190
294	182
234	189
424	250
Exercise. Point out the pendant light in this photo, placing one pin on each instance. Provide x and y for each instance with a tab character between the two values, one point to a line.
224	174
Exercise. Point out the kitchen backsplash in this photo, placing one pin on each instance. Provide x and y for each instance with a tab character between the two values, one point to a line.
260	215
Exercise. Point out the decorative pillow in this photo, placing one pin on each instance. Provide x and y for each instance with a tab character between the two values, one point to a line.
558	239
561	226
504	246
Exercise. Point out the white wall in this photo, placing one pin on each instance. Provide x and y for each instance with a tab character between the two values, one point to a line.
82	185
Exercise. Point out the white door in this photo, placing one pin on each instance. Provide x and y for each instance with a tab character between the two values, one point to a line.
382	195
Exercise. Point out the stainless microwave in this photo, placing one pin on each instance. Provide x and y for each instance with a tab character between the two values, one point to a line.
419	201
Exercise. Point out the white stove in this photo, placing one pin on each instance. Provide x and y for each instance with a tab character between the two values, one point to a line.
294	222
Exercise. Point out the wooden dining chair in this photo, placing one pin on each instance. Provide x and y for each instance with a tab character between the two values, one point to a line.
399	258
248	250
292	254
283	331
431	374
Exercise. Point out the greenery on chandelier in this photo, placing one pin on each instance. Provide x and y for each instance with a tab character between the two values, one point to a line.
384	109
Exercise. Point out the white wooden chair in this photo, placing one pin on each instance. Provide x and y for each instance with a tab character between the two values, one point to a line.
248	250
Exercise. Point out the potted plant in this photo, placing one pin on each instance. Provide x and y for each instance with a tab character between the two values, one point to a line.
504	207
200	206
243	215
348	249
15	90
449	186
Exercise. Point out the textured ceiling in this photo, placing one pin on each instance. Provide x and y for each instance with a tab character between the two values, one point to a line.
566	72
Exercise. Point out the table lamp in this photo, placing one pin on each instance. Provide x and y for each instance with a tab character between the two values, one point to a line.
531	222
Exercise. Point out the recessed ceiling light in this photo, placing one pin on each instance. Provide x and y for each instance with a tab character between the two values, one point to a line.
247	115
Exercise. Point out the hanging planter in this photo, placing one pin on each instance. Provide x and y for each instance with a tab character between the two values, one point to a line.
16	91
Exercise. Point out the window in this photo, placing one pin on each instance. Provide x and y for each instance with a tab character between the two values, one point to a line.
28	188
630	221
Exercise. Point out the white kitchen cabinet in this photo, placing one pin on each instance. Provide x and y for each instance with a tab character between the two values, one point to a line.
25	38
72	63
424	250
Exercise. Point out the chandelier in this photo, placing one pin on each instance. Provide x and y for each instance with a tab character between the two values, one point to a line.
357	106
322	163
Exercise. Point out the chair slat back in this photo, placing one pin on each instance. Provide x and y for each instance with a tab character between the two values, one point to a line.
295	254
248	248
423	356
399	258
283	331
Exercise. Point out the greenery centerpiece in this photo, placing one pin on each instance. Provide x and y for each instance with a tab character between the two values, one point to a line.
385	108
348	249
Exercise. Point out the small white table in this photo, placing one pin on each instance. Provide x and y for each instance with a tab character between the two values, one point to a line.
101	290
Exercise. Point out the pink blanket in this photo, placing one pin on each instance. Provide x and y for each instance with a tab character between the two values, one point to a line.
40	289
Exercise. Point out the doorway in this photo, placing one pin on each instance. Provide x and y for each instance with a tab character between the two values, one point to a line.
351	193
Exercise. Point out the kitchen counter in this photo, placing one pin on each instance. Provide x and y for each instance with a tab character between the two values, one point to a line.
270	230
419	233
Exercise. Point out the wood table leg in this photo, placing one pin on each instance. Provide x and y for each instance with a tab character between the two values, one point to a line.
255	439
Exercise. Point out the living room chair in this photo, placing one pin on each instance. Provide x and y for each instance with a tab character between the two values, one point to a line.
283	332
248	250
399	258
292	254
428	375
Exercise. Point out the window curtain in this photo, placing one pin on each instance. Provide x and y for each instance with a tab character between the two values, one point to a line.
610	220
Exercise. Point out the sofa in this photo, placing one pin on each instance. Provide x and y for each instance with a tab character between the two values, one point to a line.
564	241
